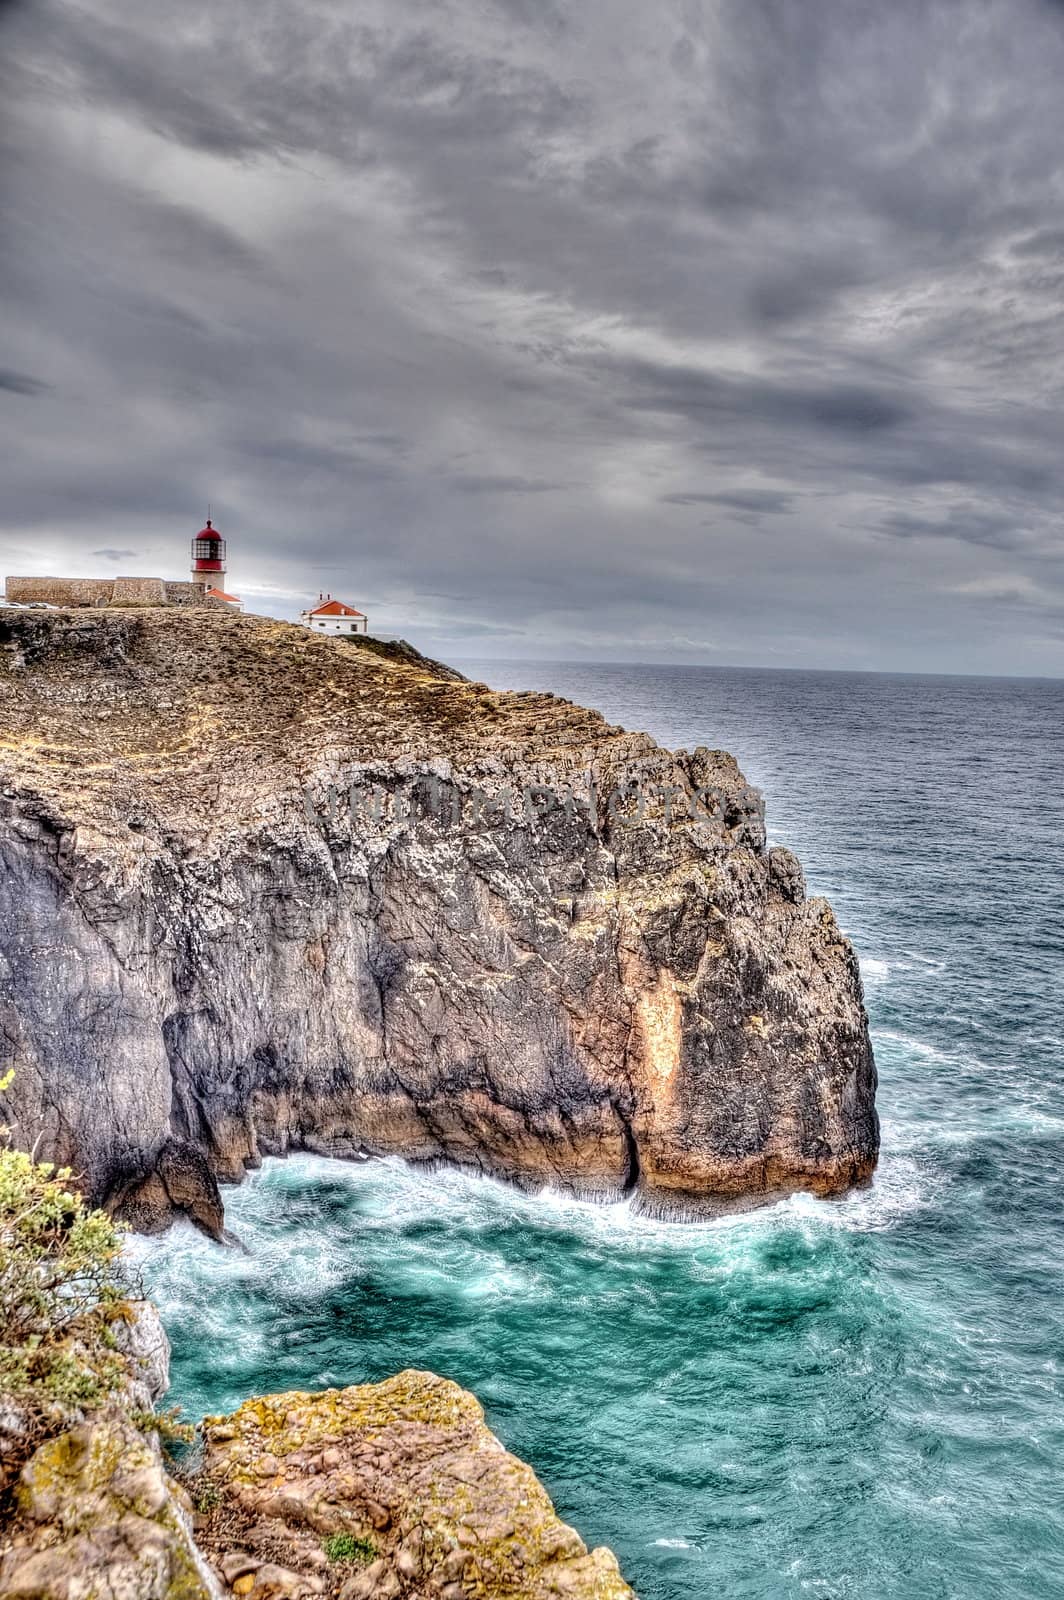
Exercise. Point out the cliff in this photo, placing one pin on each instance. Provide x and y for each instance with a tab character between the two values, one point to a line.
262	892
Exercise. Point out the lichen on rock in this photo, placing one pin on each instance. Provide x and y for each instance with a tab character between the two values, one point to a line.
406	1476
97	1516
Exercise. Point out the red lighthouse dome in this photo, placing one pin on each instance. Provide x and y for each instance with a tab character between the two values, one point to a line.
208	556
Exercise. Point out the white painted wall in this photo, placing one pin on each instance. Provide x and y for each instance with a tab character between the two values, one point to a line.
334	625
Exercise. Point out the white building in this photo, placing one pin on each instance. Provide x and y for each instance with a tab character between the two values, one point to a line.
331	616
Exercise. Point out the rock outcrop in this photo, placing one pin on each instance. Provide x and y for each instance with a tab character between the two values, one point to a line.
263	892
382	1490
389	1491
107	592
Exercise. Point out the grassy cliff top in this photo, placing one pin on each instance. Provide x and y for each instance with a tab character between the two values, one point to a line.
199	713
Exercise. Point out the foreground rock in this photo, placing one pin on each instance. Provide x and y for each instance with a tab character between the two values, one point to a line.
97	1515
383	1490
391	1491
208	953
91	1513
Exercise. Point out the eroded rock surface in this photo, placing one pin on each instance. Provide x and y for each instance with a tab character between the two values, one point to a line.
97	1518
386	1490
139	1338
207	954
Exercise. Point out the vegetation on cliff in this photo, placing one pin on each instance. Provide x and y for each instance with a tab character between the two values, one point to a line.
61	1295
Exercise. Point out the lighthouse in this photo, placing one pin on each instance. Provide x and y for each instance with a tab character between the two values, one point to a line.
208	558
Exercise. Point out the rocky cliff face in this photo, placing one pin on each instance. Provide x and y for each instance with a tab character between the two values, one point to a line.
262	892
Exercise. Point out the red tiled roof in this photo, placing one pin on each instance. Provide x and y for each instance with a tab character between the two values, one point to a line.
220	594
335	608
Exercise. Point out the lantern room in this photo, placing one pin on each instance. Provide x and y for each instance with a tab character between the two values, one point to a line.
208	555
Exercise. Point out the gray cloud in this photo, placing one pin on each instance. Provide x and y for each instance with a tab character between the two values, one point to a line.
20	383
471	483
1048	242
707	398
769	501
730	328
970	525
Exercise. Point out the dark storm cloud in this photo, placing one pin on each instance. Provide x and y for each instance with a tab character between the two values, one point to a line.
619	329
20	383
976	526
1050	242
768	501
993	530
707	399
802	289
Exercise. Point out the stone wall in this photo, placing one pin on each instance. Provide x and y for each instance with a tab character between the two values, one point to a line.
138	592
60	591
188	594
107	592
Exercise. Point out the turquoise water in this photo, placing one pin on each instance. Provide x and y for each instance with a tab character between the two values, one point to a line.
862	1398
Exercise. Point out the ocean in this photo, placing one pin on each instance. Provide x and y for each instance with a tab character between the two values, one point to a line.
853	1398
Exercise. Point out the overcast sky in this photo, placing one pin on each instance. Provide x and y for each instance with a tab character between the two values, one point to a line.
708	330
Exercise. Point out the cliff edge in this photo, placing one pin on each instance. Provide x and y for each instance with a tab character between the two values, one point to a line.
261	892
388	1491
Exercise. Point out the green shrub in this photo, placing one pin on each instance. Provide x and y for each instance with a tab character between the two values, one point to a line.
61	1294
348	1547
